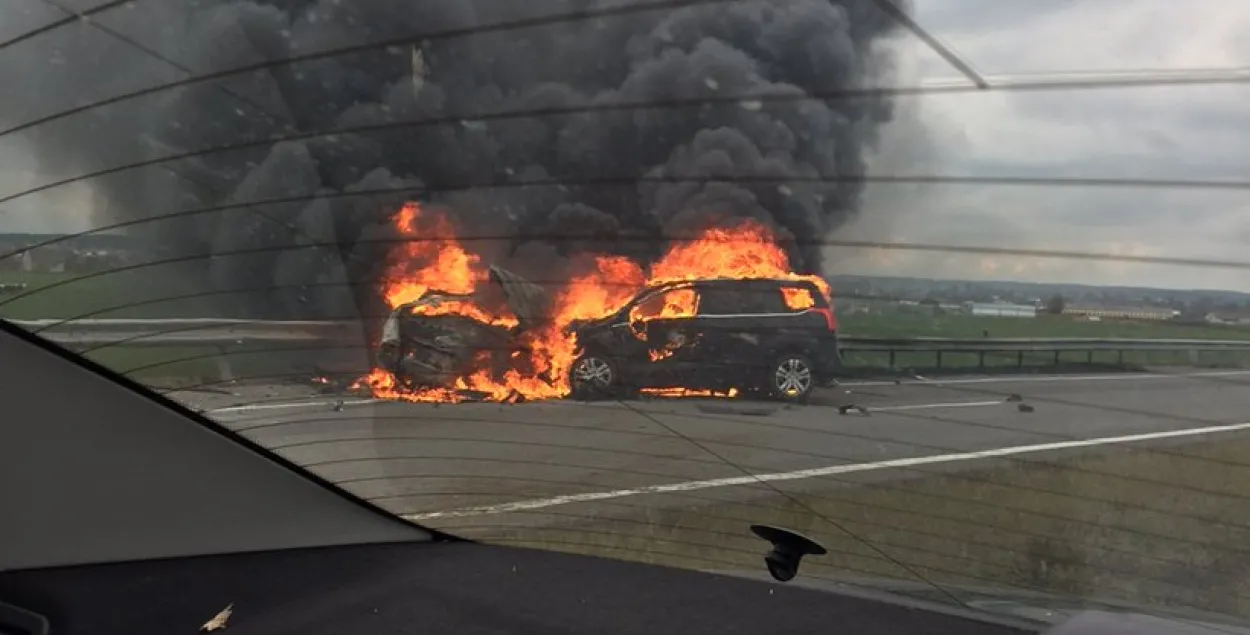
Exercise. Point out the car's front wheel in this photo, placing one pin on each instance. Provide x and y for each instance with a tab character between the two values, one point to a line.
792	378
594	376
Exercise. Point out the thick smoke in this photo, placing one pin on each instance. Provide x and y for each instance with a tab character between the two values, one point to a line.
299	254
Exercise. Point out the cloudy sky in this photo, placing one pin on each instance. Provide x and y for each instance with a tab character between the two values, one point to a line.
1160	132
1193	132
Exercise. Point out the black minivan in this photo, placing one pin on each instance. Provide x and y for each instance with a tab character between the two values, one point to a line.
775	337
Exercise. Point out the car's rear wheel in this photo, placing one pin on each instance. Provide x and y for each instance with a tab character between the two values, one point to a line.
792	378
594	376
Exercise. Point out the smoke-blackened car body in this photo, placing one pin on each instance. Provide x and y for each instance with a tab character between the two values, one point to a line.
772	337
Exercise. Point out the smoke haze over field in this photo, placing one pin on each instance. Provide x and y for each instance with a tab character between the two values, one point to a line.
716	49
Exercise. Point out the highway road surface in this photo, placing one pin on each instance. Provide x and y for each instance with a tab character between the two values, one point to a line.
1125	486
451	465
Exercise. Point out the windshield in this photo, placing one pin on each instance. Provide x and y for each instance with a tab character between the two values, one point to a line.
972	306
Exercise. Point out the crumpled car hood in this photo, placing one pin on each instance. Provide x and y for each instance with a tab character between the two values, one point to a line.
525	299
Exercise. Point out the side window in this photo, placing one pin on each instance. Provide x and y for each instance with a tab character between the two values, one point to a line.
763	299
741	300
675	303
797	298
721	301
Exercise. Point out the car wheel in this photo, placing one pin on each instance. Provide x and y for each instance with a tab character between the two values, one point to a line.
594	376
792	378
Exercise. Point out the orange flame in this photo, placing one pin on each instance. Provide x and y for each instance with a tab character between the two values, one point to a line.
433	260
797	299
689	393
749	250
465	308
430	258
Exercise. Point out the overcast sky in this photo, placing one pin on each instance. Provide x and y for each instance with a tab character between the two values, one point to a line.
1170	132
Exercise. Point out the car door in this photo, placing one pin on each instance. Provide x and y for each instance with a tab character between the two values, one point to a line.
668	342
733	346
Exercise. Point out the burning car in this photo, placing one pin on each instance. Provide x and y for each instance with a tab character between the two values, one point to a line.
721	309
430	343
776	337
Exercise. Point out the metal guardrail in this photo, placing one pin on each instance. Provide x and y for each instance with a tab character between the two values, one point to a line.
983	347
1036	344
188	331
227	333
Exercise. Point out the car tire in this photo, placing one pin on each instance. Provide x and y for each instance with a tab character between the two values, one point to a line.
594	376
792	378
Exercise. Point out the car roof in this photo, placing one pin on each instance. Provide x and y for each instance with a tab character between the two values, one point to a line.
728	282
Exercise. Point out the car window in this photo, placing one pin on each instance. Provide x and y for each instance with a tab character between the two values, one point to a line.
763	300
675	303
797	298
721	301
741	300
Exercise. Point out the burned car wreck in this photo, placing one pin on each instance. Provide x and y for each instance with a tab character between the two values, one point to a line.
440	337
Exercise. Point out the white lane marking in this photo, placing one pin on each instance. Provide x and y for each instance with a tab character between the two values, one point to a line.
287	404
1052	378
833	470
926	406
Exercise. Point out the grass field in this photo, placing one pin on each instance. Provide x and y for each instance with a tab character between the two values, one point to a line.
121	294
1106	526
141	294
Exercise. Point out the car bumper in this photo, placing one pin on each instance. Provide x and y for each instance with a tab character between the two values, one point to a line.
829	358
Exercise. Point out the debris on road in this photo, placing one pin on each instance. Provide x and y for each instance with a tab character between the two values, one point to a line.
1014	397
219	620
1024	407
724	409
847	408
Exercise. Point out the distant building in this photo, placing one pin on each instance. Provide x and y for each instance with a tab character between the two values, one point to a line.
1121	313
1237	318
1000	309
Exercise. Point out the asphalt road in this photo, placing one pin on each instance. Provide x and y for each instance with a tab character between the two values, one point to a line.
458	466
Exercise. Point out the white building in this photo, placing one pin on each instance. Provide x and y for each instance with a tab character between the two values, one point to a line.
1000	309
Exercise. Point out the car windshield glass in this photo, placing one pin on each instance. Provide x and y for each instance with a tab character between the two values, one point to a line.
957	289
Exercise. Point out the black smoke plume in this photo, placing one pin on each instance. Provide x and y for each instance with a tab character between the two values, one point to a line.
317	253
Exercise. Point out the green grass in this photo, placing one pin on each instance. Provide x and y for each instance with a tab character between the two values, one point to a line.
141	293
1165	528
